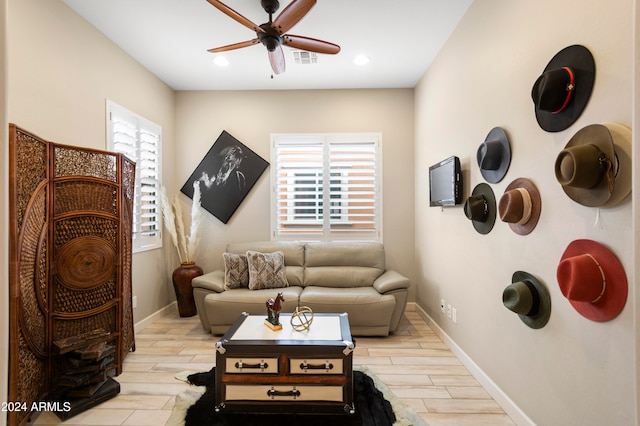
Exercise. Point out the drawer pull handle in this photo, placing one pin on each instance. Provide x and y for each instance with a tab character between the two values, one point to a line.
272	393
328	366
262	365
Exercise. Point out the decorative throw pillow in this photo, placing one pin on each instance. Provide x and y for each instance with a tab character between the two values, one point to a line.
266	270
236	270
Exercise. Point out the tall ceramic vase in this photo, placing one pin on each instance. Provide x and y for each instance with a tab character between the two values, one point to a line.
182	277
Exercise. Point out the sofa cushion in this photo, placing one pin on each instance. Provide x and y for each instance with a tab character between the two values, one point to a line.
365	306
266	270
236	270
222	309
293	255
343	264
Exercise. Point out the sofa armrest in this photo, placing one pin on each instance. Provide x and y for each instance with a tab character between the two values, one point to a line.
213	281
389	281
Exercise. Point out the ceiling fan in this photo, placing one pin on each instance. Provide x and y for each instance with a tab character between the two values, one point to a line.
273	35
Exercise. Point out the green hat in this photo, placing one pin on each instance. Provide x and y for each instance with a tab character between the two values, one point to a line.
529	298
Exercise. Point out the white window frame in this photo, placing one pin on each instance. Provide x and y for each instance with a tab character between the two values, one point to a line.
146	211
280	202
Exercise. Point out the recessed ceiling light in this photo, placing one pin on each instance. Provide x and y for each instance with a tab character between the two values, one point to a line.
361	60
221	61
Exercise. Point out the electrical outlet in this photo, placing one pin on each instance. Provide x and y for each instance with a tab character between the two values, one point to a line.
134	302
442	305
449	311
454	315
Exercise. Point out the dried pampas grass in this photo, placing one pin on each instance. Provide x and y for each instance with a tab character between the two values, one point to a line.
173	220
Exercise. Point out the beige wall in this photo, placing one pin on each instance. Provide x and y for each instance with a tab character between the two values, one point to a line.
61	71
251	116
573	371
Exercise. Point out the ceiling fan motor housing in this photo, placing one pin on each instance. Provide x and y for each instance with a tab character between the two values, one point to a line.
270	37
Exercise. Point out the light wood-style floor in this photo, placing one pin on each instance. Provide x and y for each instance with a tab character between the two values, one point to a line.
414	363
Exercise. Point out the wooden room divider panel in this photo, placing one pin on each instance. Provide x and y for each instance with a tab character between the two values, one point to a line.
70	258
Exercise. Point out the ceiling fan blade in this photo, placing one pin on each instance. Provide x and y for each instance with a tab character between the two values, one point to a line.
276	57
292	14
235	15
310	44
234	46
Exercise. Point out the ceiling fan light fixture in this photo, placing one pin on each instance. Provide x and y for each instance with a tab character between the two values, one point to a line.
221	61
361	60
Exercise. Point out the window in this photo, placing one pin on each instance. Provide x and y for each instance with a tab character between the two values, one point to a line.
307	206
140	140
307	203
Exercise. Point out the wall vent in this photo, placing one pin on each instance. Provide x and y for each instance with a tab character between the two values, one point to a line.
305	58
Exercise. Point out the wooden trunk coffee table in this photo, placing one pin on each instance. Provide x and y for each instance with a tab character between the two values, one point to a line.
260	370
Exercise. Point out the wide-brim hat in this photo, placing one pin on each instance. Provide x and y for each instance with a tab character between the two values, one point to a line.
594	168
622	146
562	91
529	298
494	155
480	208
520	206
593	280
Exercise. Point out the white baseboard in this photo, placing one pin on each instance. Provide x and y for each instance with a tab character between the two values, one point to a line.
513	411
145	322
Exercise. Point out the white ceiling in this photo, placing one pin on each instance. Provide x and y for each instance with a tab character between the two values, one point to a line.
171	38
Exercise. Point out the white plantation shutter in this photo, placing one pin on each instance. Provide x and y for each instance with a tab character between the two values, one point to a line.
346	206
140	140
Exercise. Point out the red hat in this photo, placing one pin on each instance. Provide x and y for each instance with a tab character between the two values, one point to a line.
593	279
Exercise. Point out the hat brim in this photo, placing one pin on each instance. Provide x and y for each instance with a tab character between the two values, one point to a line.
486	191
615	296
581	61
623	148
536	206
544	309
494	176
614	140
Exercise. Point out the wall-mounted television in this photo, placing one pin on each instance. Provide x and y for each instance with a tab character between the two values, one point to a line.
445	183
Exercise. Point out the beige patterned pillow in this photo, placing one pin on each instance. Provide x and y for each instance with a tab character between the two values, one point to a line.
266	270
236	270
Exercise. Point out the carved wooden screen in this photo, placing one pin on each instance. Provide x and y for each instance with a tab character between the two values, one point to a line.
70	256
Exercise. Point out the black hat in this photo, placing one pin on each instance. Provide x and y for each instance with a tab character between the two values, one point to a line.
529	298
480	208
561	93
494	155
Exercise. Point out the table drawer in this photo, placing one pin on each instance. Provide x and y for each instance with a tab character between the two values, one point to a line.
287	392
316	366
251	365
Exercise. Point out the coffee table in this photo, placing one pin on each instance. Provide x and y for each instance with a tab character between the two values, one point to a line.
259	370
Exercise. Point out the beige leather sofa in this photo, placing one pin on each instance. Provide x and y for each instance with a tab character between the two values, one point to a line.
333	277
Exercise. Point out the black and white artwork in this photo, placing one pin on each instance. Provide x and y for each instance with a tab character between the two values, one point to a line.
226	175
